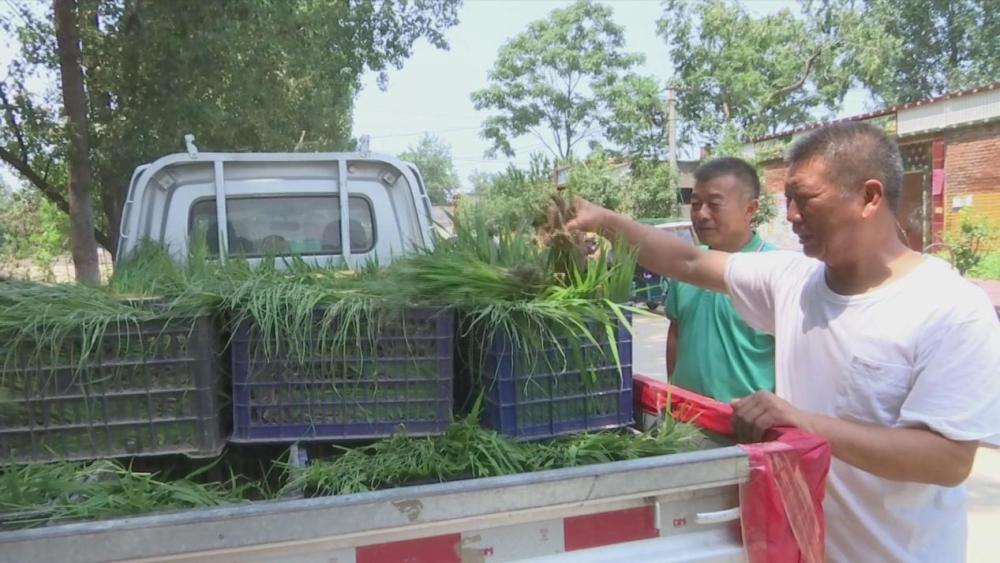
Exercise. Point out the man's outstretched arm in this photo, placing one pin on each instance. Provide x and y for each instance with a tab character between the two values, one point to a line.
658	251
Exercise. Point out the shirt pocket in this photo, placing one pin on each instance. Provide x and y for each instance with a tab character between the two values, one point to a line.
873	391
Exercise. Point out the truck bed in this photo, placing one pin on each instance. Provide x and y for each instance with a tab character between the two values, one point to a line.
678	507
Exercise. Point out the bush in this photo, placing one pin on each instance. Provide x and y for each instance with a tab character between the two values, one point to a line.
512	197
599	181
652	191
988	268
971	240
767	210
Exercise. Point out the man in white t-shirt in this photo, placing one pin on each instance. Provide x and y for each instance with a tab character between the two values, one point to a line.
888	354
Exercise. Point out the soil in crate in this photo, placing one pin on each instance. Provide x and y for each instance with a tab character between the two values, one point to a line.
144	390
395	374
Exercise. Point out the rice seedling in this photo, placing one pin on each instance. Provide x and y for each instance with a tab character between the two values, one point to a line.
43	494
467	450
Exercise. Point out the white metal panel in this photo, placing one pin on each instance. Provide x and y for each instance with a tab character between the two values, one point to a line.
513	543
712	546
947	113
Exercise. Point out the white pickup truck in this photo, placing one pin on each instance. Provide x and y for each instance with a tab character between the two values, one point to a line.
353	207
252	204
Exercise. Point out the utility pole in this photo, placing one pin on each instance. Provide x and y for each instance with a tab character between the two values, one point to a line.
672	126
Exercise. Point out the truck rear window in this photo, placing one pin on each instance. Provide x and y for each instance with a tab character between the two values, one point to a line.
283	225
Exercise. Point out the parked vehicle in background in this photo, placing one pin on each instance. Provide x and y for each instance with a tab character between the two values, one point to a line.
650	288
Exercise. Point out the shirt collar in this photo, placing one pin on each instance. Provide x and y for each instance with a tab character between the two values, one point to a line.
754	244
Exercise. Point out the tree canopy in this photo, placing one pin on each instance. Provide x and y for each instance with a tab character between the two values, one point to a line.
432	156
760	74
928	48
550	80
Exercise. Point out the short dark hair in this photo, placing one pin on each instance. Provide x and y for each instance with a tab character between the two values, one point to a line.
854	152
729	166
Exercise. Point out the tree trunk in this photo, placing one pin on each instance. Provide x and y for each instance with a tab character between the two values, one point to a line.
81	211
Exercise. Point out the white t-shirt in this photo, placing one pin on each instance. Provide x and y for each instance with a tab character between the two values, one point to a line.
923	350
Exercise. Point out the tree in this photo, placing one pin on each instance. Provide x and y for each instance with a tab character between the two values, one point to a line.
81	210
652	190
251	75
32	228
636	117
599	180
639	188
432	156
928	48
546	80
514	196
760	74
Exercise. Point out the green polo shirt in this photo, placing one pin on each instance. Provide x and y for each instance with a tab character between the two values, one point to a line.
718	355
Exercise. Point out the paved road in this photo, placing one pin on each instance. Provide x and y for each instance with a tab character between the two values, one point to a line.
983	484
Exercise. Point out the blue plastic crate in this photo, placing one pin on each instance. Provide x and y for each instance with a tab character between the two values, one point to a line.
552	394
401	380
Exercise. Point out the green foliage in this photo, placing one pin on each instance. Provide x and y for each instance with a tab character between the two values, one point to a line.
547	80
32	229
432	156
468	450
653	190
511	197
762	74
988	268
45	494
643	188
971	240
54	493
600	181
256	75
635	118
927	48
767	209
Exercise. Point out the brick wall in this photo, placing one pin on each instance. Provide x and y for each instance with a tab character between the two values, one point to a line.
773	179
972	168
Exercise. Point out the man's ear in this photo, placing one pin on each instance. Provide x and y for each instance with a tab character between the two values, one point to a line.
874	193
752	208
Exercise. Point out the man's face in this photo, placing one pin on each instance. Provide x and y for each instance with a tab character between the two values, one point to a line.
721	211
824	218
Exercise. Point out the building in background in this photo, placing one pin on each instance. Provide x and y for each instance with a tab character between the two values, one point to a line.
951	160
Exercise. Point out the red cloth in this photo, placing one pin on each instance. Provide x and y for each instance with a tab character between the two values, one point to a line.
782	503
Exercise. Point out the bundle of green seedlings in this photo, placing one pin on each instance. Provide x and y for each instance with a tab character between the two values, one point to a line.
531	283
44	494
467	450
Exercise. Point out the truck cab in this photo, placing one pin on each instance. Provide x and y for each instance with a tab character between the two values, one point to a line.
327	208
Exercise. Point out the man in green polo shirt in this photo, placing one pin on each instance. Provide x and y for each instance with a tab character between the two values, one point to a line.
710	350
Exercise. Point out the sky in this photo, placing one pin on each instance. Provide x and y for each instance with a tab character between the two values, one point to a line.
432	91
